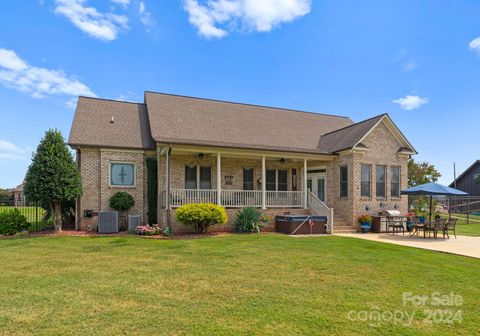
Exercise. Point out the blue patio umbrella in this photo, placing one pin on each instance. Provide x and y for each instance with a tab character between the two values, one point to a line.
433	189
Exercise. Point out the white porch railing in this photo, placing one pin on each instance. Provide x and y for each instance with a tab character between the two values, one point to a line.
179	197
237	198
321	209
241	198
284	199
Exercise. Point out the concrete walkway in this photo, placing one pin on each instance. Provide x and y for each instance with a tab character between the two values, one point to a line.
463	245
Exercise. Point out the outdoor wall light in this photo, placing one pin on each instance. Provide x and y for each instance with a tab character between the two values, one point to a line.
382	205
367	208
395	206
228	179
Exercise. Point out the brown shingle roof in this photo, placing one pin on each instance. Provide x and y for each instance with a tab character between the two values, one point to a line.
187	120
176	119
347	137
92	124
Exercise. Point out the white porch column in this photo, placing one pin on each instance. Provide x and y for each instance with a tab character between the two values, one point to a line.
219	179
305	186
264	184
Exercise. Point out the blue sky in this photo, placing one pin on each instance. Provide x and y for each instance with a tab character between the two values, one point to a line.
417	60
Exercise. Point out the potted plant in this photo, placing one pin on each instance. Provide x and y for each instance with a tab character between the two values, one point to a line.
365	222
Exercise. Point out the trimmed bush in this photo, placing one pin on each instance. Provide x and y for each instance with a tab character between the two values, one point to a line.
200	216
249	220
12	221
122	201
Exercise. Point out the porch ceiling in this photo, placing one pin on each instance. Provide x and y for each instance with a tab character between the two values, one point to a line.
248	153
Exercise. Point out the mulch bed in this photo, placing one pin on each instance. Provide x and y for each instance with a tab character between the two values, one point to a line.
119	234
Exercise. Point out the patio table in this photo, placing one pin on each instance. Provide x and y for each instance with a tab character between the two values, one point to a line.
430	226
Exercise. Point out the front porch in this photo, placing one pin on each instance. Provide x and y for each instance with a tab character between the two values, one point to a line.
238	198
276	183
236	179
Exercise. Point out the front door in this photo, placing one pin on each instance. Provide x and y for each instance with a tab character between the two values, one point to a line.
316	184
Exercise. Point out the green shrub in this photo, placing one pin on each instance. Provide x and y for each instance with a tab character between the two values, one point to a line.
12	221
249	220
122	201
201	215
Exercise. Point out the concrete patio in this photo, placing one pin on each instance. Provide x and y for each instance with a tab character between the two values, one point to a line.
463	245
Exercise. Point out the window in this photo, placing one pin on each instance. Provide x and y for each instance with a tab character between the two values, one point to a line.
271	180
198	177
344	181
381	181
122	174
282	180
205	177
247	178
190	177
365	183
395	187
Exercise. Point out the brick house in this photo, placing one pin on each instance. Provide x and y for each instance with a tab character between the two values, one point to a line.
237	155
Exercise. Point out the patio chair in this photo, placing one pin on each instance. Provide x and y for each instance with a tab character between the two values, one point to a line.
434	227
450	225
396	224
418	226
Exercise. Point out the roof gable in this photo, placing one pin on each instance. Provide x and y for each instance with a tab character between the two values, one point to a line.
473	165
93	126
352	136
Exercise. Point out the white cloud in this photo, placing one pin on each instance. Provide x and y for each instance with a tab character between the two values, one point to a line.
410	102
104	26
475	45
124	3
9	151
405	60
145	15
216	18
38	82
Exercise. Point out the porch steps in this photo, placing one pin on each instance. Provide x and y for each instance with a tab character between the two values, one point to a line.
340	225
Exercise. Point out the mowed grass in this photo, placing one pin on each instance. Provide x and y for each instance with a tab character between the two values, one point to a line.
471	229
232	285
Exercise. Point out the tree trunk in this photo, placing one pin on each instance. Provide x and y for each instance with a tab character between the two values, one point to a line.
57	215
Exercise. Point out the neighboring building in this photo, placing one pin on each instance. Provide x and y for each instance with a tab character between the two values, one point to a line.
237	155
469	180
18	196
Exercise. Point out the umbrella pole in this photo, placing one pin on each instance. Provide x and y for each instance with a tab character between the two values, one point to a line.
431	205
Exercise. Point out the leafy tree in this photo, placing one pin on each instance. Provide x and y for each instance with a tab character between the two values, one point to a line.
421	173
5	194
53	177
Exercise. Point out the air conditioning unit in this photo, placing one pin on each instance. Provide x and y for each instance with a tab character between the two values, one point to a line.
134	221
107	222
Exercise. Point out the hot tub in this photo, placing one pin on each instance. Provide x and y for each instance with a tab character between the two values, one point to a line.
288	224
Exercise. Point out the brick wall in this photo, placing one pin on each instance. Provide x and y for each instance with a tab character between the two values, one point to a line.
383	149
94	169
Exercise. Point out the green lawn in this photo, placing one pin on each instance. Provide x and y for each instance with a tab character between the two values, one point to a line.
232	285
472	229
